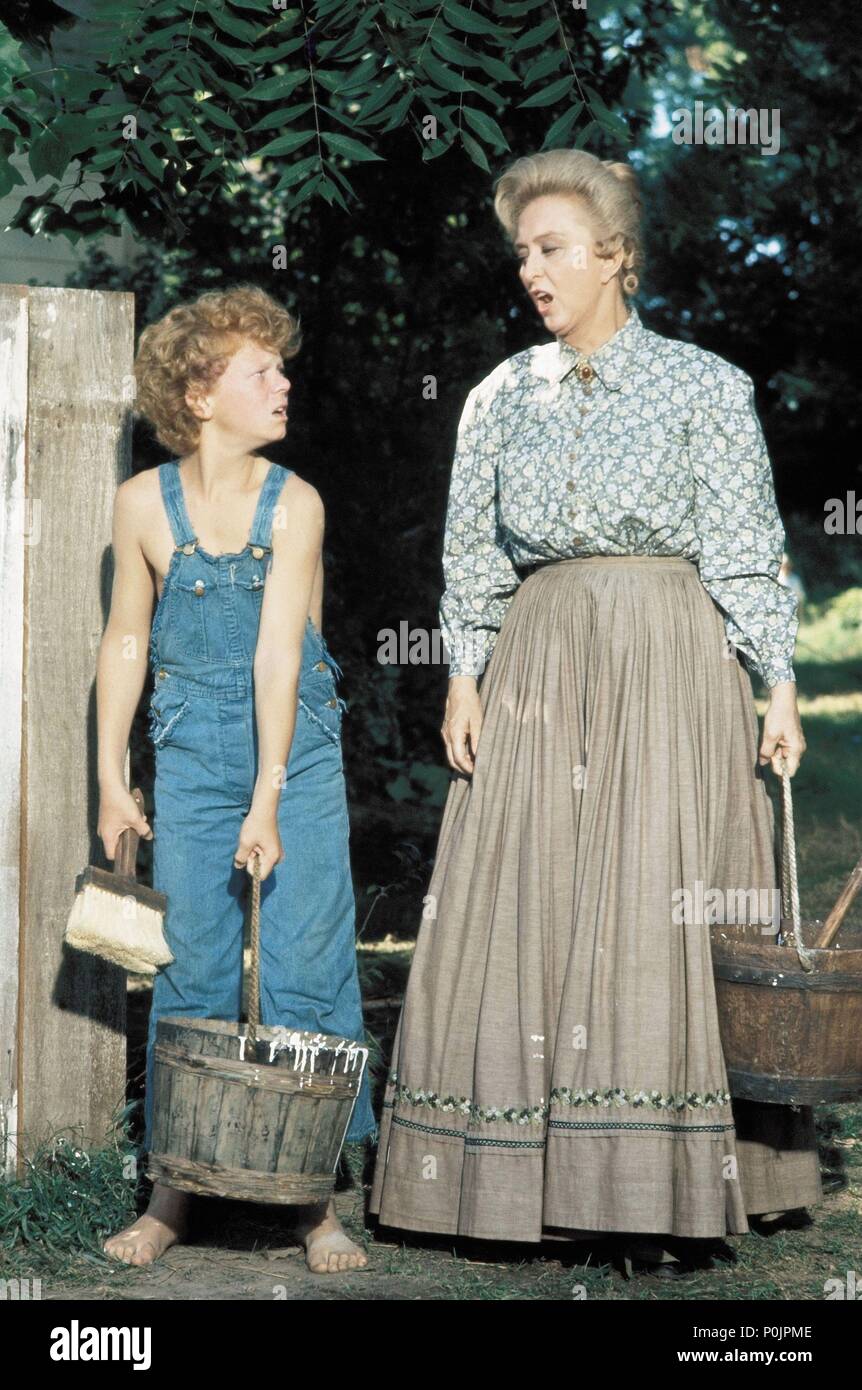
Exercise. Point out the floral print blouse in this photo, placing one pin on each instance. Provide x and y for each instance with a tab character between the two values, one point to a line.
661	453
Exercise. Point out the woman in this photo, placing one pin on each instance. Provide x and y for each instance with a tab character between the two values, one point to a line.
244	716
557	1067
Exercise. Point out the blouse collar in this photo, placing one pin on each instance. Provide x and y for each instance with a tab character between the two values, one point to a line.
611	360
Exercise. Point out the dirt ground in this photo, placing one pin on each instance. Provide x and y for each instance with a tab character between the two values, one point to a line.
239	1251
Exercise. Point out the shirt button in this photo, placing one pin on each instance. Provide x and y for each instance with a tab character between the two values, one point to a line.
571	511
199	587
573	456
570	485
579	434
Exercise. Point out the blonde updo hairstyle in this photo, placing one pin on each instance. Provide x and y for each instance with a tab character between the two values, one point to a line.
190	347
608	190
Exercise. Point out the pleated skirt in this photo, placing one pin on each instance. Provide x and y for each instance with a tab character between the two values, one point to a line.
557	1067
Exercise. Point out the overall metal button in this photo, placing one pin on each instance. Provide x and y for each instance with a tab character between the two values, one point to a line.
332	703
256	581
320	666
199	587
257	552
162	674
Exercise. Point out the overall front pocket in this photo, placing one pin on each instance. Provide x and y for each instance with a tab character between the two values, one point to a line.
320	702
165	712
187	624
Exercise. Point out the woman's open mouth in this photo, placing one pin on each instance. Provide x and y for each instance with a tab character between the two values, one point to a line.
543	301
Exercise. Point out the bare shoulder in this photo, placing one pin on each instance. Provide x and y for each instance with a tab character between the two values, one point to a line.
136	500
299	510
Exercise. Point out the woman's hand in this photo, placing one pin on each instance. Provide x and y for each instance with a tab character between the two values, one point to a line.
259	834
462	720
782	730
118	811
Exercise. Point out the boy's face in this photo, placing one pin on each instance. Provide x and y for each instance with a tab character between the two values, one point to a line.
248	403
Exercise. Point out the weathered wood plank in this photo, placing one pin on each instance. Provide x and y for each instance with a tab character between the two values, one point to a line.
72	1037
13	538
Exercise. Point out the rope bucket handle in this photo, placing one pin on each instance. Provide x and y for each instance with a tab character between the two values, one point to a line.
254	979
789	873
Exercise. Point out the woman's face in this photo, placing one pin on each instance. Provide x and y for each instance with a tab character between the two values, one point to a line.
559	269
248	402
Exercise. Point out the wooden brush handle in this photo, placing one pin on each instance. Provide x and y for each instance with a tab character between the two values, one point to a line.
829	930
126	856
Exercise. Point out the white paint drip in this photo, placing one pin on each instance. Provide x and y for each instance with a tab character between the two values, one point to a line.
307	1048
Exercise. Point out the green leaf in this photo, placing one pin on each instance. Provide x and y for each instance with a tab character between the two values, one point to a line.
303	194
285	144
106	158
548	63
276	53
585	134
454	51
471	22
501	71
274	88
561	129
535	36
549	95
487	127
76	132
441	75
238	28
210	111
475	151
358	77
328	190
286	115
395	117
379	97
48	156
351	149
10	177
152	165
296	171
606	118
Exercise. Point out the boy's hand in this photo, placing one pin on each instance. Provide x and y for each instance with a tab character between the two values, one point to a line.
259	834
118	811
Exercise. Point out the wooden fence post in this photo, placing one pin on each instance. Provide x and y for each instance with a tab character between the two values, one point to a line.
66	388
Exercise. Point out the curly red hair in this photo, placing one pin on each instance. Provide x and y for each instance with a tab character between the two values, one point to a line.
190	347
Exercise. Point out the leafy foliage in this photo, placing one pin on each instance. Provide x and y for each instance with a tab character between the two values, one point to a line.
141	104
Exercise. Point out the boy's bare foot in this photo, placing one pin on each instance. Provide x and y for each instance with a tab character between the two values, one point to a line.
328	1248
163	1223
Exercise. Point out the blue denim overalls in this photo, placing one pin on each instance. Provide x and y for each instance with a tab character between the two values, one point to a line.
202	725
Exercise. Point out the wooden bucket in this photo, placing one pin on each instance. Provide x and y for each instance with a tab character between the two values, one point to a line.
258	1114
790	1010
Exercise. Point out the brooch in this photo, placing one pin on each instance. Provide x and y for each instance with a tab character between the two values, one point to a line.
584	371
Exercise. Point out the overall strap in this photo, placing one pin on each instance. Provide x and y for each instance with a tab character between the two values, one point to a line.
260	537
172	496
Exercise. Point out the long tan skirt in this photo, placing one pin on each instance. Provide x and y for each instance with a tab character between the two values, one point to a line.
557	1066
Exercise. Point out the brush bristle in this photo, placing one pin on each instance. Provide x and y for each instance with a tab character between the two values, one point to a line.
118	928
